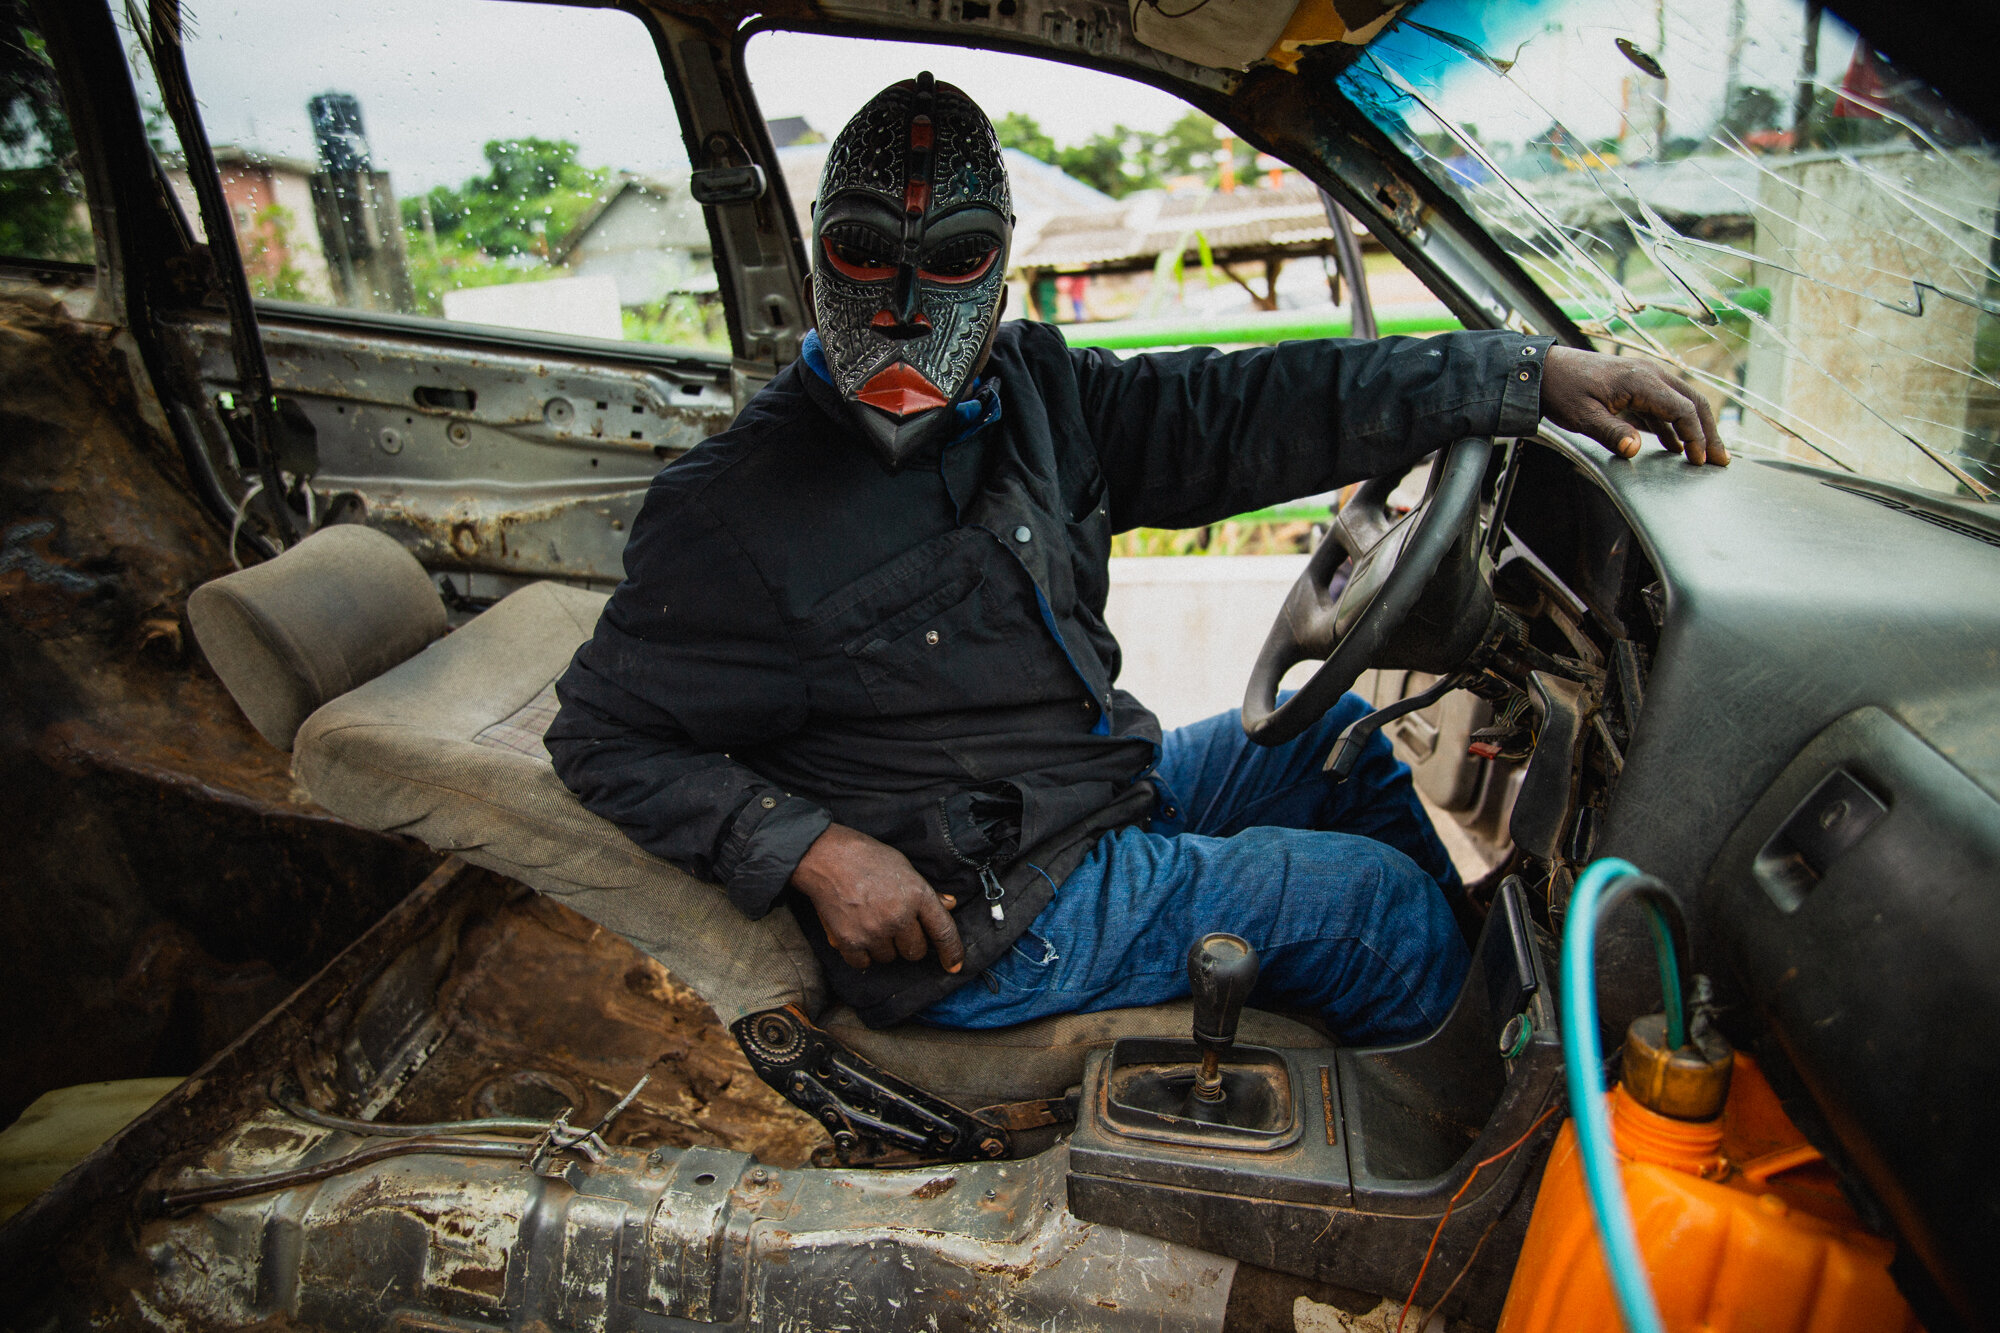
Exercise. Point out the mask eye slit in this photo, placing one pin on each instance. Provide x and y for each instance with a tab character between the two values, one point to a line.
859	253
961	260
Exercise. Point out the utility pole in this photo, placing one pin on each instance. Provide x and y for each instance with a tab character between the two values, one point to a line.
1732	76
1660	54
1802	105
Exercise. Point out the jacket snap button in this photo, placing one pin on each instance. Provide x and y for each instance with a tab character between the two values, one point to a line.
770	802
930	636
1525	375
1021	534
1527	351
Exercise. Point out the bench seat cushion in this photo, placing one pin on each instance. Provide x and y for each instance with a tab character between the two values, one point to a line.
404	753
446	748
1034	1060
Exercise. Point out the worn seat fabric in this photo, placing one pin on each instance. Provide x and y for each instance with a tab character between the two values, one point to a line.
980	1067
403	753
445	747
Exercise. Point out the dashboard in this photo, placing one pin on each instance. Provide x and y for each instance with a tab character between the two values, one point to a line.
1815	768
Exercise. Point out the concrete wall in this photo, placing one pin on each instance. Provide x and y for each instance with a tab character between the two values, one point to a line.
1191	626
585	307
649	245
1851	247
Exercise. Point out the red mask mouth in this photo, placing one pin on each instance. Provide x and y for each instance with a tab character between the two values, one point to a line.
901	390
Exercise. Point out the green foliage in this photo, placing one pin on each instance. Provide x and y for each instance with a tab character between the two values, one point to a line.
1189	147
1123	159
533	192
1019	130
1105	162
1248	535
498	227
41	196
271	233
501	227
454	265
504	225
681	320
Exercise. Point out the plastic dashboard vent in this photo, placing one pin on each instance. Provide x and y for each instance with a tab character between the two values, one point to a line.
1963	529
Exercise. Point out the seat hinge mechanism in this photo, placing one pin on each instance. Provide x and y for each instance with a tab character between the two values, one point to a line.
874	1117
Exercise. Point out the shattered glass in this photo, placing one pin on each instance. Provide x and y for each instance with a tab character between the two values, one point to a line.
1742	190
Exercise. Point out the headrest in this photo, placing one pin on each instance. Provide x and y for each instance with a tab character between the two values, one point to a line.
332	613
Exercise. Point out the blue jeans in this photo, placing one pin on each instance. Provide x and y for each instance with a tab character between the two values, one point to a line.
1340	887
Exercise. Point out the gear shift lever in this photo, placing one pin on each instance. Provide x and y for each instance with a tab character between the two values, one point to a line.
1221	971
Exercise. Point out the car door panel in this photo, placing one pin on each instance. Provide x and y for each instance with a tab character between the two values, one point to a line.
499	458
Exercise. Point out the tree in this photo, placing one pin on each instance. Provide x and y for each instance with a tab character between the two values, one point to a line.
498	226
532	193
40	192
1103	162
1189	147
1122	159
1017	129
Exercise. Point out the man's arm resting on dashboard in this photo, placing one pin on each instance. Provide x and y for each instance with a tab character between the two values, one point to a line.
1187	438
700	810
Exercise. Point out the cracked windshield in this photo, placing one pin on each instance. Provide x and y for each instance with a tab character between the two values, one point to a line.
1740	188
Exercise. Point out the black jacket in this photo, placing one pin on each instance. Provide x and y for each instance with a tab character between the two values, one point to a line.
803	637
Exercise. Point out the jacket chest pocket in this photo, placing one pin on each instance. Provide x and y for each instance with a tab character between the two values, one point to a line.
1089	529
950	651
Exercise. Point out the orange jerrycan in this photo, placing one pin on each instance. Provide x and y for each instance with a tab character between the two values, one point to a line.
1739	1219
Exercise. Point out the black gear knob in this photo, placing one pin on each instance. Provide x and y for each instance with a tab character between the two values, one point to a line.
1221	970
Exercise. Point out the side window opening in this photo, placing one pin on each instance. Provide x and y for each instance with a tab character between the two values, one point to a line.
471	161
43	213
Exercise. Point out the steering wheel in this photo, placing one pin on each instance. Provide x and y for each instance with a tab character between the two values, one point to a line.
1394	561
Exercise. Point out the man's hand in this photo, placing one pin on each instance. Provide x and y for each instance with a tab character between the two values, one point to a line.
873	903
1613	398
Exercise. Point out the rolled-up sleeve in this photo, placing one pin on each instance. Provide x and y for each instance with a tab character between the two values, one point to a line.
1521	403
689	662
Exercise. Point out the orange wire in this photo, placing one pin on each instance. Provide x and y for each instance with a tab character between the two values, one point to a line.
1416	1286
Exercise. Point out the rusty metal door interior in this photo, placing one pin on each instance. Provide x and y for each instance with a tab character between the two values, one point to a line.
494	292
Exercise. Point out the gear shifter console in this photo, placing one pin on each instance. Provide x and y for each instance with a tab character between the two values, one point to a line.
1334	1161
1207	1092
1221	971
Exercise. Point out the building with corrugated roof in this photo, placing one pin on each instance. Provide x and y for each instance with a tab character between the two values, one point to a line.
645	233
1250	233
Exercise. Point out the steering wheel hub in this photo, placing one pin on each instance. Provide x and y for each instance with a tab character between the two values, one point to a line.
1384	607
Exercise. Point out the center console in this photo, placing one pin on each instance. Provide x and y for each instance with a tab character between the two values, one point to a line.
1339	1164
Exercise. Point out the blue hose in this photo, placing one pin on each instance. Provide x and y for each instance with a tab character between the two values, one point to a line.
1583	1059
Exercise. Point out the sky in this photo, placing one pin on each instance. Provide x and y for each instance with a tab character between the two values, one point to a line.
438	78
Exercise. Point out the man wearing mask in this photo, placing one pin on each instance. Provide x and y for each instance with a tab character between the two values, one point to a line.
858	668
